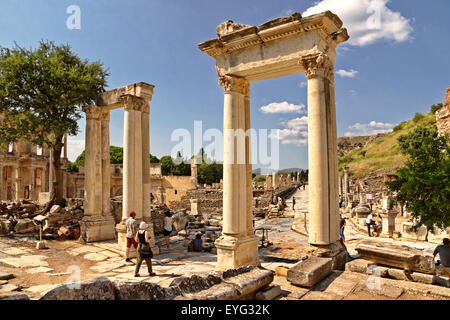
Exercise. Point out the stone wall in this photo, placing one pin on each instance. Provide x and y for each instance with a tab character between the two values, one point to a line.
176	187
443	116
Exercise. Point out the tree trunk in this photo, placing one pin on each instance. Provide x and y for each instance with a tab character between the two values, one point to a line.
58	185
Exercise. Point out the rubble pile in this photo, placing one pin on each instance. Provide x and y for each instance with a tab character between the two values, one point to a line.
25	216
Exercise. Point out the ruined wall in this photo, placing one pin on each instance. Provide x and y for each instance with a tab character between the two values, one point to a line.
443	116
346	144
176	187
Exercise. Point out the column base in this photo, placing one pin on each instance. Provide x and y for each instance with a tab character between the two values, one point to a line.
333	251
234	252
95	228
122	238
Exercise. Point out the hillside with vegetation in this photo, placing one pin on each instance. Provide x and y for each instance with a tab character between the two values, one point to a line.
383	154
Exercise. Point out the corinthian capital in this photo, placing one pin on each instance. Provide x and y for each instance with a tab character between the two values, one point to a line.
93	112
318	65
131	102
235	84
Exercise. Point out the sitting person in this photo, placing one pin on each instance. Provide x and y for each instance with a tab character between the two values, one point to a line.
444	253
198	243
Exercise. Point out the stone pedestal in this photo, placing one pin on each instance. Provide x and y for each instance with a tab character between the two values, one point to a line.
388	223
234	252
334	251
194	207
97	228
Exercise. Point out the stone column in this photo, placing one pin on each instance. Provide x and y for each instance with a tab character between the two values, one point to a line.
275	180
145	121
2	184
44	180
19	188
194	172
322	152
235	247
248	163
346	185
33	195
96	224
269	182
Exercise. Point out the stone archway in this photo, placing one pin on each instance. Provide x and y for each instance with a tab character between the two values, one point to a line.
279	47
98	222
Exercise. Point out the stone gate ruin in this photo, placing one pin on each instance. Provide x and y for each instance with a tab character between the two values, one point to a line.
279	47
98	223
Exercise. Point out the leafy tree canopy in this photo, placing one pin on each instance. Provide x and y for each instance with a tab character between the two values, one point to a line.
423	184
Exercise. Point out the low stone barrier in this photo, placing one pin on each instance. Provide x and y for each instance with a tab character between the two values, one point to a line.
236	284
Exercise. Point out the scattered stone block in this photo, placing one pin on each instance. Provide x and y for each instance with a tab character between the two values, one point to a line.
378	271
8	288
269	293
310	271
422	277
399	256
442	281
25	226
358	265
39	270
388	291
6	276
55	209
281	271
2	282
25	261
397	274
96	289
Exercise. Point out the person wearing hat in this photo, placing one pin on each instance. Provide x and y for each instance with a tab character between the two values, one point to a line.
131	225
144	252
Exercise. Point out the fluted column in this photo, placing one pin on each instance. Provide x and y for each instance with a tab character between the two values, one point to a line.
236	247
97	223
322	149
2	184
33	195
106	166
248	163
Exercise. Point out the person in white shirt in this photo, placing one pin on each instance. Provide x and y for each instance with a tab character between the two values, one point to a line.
167	227
370	222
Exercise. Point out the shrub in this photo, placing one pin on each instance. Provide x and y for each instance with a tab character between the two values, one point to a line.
436	107
417	117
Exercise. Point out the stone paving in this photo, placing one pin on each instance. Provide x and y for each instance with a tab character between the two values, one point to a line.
39	271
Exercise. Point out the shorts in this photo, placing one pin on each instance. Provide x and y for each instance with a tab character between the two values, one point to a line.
131	241
166	233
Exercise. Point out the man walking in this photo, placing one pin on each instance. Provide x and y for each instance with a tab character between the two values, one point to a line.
131	225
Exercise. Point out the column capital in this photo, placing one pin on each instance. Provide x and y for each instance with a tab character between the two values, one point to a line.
104	115
318	65
92	112
131	102
235	84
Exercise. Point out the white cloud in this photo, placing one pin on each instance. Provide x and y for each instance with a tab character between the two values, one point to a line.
367	21
302	84
366	129
347	74
75	147
295	132
283	107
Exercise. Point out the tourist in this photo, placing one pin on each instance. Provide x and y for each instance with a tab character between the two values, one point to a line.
293	203
198	243
144	251
131	225
167	227
370	222
444	253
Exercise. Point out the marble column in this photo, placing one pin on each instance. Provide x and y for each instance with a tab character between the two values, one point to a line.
2	184
194	172
236	247
13	183
136	167
346	185
97	223
248	163
322	152
33	195
19	188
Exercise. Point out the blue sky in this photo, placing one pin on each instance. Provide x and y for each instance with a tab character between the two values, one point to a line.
384	75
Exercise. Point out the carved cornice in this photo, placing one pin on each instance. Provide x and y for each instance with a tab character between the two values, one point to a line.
318	65
93	112
235	84
131	102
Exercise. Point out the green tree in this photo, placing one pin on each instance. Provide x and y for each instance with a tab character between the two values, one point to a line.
167	166
423	184
436	107
41	95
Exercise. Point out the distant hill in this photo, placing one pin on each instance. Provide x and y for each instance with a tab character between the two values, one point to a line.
270	171
378	154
